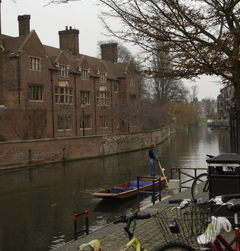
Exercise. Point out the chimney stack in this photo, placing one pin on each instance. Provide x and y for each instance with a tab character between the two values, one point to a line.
24	25
68	40
109	52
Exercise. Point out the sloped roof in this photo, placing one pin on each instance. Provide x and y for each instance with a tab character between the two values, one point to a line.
13	43
114	71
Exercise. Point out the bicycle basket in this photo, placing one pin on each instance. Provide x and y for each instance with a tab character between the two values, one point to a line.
182	225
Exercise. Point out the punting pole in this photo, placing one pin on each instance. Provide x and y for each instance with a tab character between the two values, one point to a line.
164	175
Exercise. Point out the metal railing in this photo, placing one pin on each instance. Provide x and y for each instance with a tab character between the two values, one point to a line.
75	224
154	194
182	172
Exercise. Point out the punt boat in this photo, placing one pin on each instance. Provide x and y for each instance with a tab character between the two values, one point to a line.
129	189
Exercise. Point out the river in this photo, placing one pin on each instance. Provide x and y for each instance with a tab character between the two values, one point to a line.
38	203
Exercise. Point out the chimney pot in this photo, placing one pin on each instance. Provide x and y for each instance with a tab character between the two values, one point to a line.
66	28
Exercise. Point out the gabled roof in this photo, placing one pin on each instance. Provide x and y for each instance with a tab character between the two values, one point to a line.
13	44
114	71
16	44
83	63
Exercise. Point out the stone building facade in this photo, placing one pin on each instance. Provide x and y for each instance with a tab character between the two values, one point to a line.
48	92
226	102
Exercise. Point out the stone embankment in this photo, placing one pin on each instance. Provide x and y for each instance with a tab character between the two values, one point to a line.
34	152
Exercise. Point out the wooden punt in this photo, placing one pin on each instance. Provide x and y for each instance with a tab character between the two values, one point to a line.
129	189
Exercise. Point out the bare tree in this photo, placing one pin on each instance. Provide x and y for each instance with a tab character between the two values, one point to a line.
28	122
65	117
170	90
152	115
127	114
59	1
194	93
166	89
202	36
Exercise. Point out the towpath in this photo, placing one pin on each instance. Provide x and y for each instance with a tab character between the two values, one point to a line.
112	237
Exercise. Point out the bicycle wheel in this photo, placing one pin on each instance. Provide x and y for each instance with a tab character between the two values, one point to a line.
175	246
200	187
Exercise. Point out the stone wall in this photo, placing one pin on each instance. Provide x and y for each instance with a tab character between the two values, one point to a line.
30	152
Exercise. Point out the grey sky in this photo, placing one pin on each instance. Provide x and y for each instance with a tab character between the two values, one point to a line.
82	15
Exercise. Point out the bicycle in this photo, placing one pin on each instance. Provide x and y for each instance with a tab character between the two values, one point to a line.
133	241
180	225
212	239
200	186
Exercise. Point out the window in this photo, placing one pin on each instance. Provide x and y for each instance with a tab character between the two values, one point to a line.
102	77
35	92
103	98
115	88
87	122
34	64
103	122
84	97
62	71
84	74
132	99
132	81
63	95
64	124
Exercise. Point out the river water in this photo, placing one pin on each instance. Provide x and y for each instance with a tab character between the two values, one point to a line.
37	204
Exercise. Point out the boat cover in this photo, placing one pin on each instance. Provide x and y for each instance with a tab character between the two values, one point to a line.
133	186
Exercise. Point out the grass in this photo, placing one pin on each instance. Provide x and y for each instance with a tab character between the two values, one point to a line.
203	121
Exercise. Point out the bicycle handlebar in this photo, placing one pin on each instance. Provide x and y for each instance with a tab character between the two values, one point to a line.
228	197
124	218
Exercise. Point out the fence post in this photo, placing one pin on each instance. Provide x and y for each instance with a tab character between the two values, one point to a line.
75	226
138	194
160	190
86	219
153	193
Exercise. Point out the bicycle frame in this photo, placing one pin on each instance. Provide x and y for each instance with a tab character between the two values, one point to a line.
220	239
133	241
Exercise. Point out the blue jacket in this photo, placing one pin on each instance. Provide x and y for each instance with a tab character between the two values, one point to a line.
152	154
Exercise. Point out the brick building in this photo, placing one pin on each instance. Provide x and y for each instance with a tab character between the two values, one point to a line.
226	100
43	89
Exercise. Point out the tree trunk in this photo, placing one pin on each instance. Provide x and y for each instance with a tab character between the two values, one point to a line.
237	101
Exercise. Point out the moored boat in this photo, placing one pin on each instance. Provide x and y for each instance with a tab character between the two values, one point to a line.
129	189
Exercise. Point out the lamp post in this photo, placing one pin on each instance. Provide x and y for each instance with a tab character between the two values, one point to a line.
83	106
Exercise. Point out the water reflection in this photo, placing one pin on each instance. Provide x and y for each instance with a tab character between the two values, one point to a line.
38	204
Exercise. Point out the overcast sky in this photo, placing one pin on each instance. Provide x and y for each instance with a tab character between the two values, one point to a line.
82	15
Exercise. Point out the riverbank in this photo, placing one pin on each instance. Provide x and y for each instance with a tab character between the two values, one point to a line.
147	231
16	154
